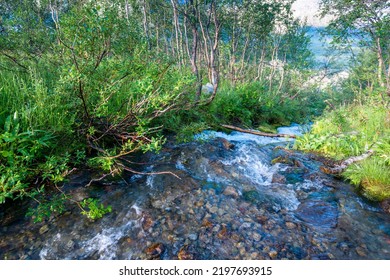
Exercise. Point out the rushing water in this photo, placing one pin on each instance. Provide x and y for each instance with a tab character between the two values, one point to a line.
239	196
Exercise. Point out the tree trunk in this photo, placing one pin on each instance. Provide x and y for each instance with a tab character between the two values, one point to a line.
259	133
342	166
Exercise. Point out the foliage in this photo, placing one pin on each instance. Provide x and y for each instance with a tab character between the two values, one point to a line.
93	210
46	208
350	131
20	153
373	177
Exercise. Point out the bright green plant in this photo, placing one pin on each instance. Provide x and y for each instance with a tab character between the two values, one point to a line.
19	154
351	131
93	210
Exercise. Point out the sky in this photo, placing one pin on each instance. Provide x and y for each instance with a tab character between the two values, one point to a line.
308	9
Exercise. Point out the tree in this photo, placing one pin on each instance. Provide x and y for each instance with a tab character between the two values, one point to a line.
367	20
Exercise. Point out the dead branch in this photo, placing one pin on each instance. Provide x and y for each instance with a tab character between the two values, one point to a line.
343	165
255	132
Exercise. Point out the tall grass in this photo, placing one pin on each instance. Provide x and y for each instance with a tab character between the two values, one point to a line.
350	131
35	100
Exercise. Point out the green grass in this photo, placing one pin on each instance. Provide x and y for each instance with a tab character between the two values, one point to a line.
33	98
351	131
373	176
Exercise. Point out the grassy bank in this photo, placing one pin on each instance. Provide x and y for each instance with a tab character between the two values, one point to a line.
350	131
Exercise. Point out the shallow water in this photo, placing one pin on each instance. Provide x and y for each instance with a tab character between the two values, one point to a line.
238	197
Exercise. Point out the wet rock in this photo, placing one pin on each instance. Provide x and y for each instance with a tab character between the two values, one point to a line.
193	236
321	257
222	234
261	219
230	191
155	250
158	204
184	254
290	225
318	213
147	222
385	205
216	228
80	194
44	229
256	237
245	226
254	256
361	252
273	254
282	159
206	223
213	209
297	163
226	144
278	178
70	245
242	251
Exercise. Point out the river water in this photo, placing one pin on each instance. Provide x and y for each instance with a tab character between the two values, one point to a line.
239	196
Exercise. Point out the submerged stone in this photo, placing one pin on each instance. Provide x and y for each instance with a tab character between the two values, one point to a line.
318	213
155	251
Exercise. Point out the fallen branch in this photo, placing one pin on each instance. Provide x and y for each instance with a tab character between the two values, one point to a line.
255	132
343	165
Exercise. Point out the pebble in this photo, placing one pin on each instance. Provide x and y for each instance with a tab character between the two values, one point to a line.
44	229
290	225
213	209
273	254
155	250
230	191
256	237
184	254
157	204
262	219
216	228
242	251
193	236
361	252
254	256
70	245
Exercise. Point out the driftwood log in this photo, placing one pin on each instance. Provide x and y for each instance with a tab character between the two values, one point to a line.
255	132
344	164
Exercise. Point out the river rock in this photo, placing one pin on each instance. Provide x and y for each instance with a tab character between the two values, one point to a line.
193	236
213	209
44	229
222	234
261	219
231	191
361	252
70	245
155	250
184	254
386	205
318	213
80	194
278	178
256	237
290	225
273	254
226	144
147	222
